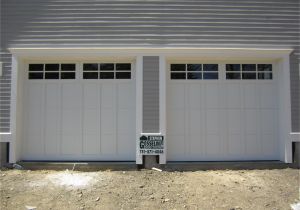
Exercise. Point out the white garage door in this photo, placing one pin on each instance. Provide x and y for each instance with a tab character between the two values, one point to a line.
221	112
79	112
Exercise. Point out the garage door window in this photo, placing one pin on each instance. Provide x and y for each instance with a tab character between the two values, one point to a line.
106	71
248	71
51	71
194	71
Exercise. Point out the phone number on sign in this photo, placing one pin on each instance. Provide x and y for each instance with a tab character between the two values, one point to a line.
151	151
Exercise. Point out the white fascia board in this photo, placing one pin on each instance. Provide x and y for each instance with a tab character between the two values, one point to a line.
27	53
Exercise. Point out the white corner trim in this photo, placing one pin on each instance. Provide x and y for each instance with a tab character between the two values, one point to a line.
13	156
162	105
139	105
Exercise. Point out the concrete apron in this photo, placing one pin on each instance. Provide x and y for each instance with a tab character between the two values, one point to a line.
170	166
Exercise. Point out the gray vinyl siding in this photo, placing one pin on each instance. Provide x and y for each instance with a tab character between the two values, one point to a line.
151	94
152	23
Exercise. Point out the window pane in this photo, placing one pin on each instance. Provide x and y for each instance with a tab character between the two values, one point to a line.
266	75
90	67
233	67
67	67
210	75
107	75
68	75
194	67
51	67
248	67
177	67
249	75
264	67
90	75
123	66
233	76
35	76
194	76
210	67
51	75
107	66
177	75
36	67
123	75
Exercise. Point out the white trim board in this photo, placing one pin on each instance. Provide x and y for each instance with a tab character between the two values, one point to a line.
81	53
5	137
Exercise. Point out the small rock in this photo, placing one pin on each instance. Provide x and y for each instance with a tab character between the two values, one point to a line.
166	200
236	208
141	186
123	172
30	207
7	197
152	197
98	198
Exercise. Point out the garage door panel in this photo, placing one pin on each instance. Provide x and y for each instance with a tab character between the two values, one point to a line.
212	121
80	119
176	122
253	145
35	94
108	121
71	96
34	146
126	96
269	146
267	119
197	147
108	144
236	146
222	119
234	123
52	144
125	148
91	121
176	97
233	96
176	146
71	145
251	117
196	121
71	121
91	144
126	123
267	96
212	96
194	96
53	96
250	96
108	95
52	130
91	96
212	145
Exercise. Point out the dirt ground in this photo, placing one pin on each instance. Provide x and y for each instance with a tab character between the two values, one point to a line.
148	189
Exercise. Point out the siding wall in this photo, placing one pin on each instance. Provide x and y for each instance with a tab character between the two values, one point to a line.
151	94
155	23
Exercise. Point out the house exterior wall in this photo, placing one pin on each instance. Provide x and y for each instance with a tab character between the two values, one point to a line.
151	94
219	23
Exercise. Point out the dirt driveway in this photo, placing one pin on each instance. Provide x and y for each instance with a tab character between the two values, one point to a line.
148	189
